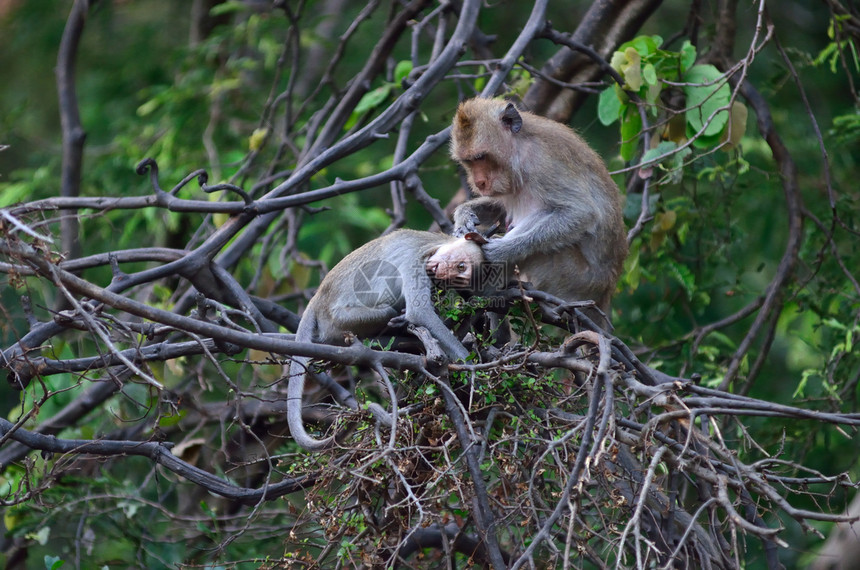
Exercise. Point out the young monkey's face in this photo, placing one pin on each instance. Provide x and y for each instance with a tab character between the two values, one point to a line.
455	262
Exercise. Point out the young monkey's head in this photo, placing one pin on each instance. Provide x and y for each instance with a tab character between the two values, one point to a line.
455	262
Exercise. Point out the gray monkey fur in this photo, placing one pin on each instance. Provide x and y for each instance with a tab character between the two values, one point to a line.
360	295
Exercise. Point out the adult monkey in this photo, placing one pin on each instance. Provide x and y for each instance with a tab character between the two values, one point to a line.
563	222
365	292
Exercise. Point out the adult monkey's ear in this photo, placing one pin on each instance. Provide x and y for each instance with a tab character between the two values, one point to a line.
475	237
511	118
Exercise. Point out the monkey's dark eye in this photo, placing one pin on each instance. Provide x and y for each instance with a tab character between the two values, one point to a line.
461	267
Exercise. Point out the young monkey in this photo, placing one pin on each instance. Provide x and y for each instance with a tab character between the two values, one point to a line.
564	227
364	292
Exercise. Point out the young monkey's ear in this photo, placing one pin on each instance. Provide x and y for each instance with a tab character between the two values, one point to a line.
475	237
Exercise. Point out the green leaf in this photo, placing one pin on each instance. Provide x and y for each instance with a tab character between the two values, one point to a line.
619	60
646	170
402	70
633	70
41	536
373	99
649	74
632	269
633	204
608	106
833	323
53	562
676	165
645	45
737	125
255	141
688	56
148	107
14	193
704	97
651	95
664	147
227	7
369	101
723	338
684	276
631	126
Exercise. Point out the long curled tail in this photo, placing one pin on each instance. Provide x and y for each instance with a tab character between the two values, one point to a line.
296	389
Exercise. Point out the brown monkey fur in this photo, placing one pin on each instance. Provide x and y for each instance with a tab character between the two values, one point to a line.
563	221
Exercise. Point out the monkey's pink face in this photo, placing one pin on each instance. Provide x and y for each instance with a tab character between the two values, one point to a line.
485	176
453	263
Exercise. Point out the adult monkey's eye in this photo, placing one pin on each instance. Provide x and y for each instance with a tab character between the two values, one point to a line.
461	267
